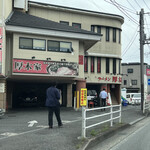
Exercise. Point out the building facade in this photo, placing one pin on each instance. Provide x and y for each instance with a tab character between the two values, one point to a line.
42	43
131	79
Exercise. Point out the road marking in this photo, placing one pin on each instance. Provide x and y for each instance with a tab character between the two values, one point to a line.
31	131
31	123
8	134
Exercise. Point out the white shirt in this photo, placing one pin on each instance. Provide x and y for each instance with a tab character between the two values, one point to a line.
103	94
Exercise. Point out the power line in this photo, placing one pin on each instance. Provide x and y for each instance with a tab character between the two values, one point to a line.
131	5
146	4
123	11
131	42
137	3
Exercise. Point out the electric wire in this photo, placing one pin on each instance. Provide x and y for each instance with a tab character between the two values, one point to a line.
123	11
137	3
146	4
131	42
131	5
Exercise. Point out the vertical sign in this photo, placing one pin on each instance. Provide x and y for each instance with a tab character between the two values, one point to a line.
1	41
83	100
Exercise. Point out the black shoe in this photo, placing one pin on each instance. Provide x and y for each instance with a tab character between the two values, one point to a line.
50	127
60	126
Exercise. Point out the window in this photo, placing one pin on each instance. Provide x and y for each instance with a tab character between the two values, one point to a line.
92	64
76	25
119	66
114	34
59	46
53	46
114	65
125	82
93	28
64	22
98	29
34	44
119	36
107	34
107	65
98	65
134	82
39	44
85	64
130	70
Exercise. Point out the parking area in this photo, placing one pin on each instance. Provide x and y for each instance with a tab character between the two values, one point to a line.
29	126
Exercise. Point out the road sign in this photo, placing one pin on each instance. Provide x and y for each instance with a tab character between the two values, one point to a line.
83	100
148	81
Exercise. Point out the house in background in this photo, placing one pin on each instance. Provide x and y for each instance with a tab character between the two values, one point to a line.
42	43
131	77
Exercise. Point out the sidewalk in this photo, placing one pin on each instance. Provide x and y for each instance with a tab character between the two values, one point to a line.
66	138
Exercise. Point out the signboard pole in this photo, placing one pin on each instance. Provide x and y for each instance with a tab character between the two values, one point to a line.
83	122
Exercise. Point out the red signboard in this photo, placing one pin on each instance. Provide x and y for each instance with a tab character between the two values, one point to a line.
148	72
80	59
45	67
113	79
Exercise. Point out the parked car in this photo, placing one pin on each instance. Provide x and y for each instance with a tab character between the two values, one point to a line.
28	98
92	96
134	98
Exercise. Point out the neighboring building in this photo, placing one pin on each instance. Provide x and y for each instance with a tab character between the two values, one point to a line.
42	43
131	79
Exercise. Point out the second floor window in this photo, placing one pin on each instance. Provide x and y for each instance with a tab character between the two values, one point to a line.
114	34
134	82
107	33
107	65
130	70
114	65
33	44
76	25
85	64
64	22
98	65
92	64
125	82
58	46
119	36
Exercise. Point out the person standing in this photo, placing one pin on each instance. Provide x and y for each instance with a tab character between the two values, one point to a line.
103	96
52	102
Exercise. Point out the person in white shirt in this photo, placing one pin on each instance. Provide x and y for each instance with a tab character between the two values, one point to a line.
103	96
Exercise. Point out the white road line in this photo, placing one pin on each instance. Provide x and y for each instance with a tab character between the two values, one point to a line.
31	131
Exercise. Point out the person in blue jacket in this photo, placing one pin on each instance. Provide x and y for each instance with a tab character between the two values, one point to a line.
52	102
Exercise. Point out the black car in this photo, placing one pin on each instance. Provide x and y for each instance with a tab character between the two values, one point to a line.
28	98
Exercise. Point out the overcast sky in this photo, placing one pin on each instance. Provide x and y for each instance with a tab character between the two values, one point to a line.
129	9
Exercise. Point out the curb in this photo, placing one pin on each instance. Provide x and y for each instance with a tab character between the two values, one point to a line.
100	138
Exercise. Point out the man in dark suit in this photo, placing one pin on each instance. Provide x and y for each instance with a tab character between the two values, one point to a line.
52	102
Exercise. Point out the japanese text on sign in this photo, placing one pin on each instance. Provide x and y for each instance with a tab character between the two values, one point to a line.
83	100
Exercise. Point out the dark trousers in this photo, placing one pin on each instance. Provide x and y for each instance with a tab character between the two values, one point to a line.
56	110
103	102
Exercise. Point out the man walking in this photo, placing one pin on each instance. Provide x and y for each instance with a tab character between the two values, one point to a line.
52	102
103	96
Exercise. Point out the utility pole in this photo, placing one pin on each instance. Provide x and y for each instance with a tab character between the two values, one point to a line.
142	41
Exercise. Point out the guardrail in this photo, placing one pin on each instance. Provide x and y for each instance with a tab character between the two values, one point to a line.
84	118
146	106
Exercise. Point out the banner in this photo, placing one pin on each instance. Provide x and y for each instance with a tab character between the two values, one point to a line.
45	67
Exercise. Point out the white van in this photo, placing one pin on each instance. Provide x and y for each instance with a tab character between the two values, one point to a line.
133	98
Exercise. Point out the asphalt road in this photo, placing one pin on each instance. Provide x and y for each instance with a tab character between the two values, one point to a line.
134	138
27	129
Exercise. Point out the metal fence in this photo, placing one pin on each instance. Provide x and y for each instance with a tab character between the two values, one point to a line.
111	118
